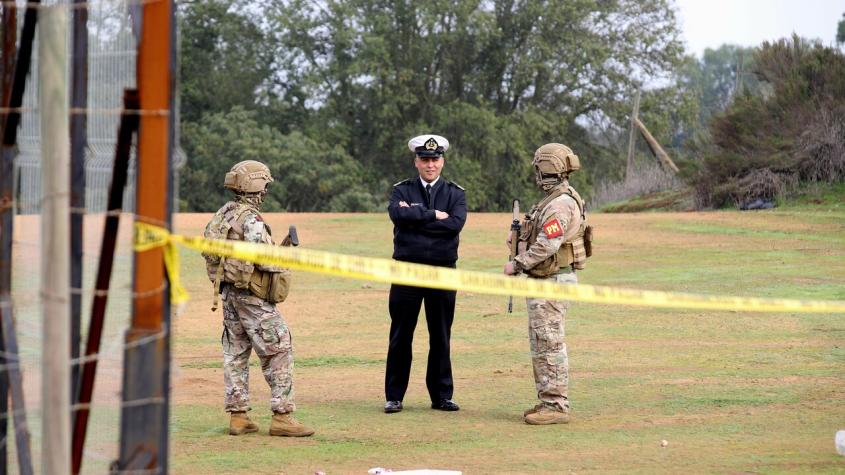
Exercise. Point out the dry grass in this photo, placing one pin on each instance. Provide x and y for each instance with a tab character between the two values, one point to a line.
731	392
647	178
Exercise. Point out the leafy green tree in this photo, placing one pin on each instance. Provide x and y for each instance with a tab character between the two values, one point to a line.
358	78
840	30
310	176
522	73
224	56
714	78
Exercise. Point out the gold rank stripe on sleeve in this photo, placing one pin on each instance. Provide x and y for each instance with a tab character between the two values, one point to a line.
390	271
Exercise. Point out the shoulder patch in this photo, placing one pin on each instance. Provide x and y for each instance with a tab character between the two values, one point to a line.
401	182
459	186
552	228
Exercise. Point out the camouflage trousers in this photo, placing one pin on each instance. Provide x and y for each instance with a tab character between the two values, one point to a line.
252	323
546	320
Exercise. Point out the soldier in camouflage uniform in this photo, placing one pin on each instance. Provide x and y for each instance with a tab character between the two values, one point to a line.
250	318
551	246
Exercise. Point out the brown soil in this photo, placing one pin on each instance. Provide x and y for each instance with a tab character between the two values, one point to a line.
334	320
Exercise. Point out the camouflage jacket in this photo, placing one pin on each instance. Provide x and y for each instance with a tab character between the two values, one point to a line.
548	227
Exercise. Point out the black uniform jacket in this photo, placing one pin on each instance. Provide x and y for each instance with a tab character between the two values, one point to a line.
417	235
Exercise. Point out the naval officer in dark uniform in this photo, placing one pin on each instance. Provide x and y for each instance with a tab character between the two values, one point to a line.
428	213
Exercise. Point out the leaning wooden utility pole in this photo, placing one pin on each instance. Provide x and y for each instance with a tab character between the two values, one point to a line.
656	149
146	367
629	168
55	248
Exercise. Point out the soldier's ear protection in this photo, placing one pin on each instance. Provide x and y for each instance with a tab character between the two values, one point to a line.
230	181
573	162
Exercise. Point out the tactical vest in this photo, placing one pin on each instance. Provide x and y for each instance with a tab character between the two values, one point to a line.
573	252
228	223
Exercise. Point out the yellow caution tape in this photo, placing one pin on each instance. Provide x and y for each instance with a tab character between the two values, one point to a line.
178	294
148	237
390	271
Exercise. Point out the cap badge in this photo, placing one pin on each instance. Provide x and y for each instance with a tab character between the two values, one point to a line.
431	144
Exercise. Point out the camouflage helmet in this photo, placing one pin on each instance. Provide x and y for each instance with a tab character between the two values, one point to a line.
248	176
553	162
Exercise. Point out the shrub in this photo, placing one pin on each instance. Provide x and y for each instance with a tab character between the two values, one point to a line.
767	142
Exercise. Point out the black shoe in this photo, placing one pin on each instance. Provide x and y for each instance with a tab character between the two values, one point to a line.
445	405
392	406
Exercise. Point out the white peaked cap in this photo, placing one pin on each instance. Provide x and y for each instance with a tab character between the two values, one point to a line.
428	142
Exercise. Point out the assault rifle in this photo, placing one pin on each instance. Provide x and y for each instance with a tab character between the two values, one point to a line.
291	239
515	228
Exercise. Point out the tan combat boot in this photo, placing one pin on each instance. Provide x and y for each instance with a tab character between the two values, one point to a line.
285	425
239	424
532	410
546	415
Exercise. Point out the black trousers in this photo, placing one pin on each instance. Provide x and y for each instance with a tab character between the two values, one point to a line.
405	303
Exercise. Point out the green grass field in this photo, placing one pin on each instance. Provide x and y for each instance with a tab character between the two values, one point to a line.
730	392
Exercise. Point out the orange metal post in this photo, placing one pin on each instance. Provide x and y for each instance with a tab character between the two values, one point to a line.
146	370
154	86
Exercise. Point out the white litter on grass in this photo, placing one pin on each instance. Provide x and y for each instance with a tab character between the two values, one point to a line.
839	440
427	471
422	471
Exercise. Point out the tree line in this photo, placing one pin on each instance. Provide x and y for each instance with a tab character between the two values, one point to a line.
328	93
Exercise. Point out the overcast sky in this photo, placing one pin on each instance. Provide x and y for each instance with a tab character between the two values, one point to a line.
711	23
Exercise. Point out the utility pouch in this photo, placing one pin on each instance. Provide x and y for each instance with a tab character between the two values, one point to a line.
588	241
546	268
270	286
566	254
213	267
237	272
524	236
279	286
578	253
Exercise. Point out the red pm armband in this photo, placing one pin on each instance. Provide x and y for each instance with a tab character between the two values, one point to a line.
553	229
